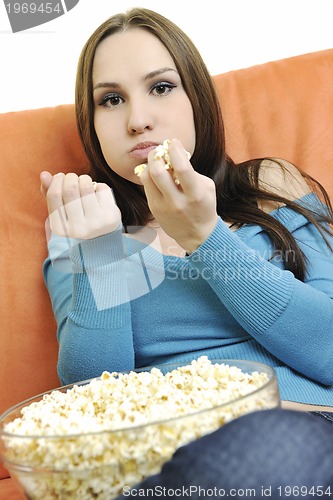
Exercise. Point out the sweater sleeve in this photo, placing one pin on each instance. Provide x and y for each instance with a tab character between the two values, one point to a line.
291	319
87	284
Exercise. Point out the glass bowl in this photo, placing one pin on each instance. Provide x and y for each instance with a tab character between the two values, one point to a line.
102	464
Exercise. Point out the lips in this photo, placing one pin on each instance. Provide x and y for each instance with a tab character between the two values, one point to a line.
142	150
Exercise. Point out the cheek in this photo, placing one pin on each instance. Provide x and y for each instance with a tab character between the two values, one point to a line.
187	127
106	139
109	136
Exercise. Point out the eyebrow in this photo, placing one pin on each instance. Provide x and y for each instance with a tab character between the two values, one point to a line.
149	76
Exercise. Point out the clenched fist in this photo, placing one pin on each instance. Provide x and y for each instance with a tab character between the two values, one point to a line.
77	208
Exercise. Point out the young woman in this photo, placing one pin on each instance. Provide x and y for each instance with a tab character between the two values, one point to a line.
235	261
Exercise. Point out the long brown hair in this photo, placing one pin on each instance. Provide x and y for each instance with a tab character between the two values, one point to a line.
237	186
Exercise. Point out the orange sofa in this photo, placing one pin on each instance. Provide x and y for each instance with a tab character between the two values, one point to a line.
282	108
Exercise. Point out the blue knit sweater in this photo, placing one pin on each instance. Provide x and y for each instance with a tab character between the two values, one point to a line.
120	304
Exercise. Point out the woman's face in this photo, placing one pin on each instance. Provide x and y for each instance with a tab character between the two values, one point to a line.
139	100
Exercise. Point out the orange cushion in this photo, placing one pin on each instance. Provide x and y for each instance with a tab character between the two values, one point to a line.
30	141
282	108
10	491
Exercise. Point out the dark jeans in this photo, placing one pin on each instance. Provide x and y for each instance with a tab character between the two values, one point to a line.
267	454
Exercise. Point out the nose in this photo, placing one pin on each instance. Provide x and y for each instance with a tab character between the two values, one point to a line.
139	118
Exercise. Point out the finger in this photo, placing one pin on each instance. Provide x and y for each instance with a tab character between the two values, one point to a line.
71	190
160	176
182	167
107	203
57	220
72	198
54	193
87	194
153	194
105	196
45	181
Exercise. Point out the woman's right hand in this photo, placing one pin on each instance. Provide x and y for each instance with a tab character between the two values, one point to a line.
76	209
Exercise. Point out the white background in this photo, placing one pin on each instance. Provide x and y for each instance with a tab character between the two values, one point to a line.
38	65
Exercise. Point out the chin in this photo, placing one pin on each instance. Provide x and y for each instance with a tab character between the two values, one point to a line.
134	180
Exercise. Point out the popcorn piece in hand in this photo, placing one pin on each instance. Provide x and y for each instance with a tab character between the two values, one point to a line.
161	152
139	169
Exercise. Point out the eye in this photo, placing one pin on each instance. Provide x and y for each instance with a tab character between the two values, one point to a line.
111	101
162	88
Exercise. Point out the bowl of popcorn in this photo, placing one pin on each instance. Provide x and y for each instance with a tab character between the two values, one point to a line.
95	438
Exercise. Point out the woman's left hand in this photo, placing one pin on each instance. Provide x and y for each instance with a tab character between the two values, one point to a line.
186	212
